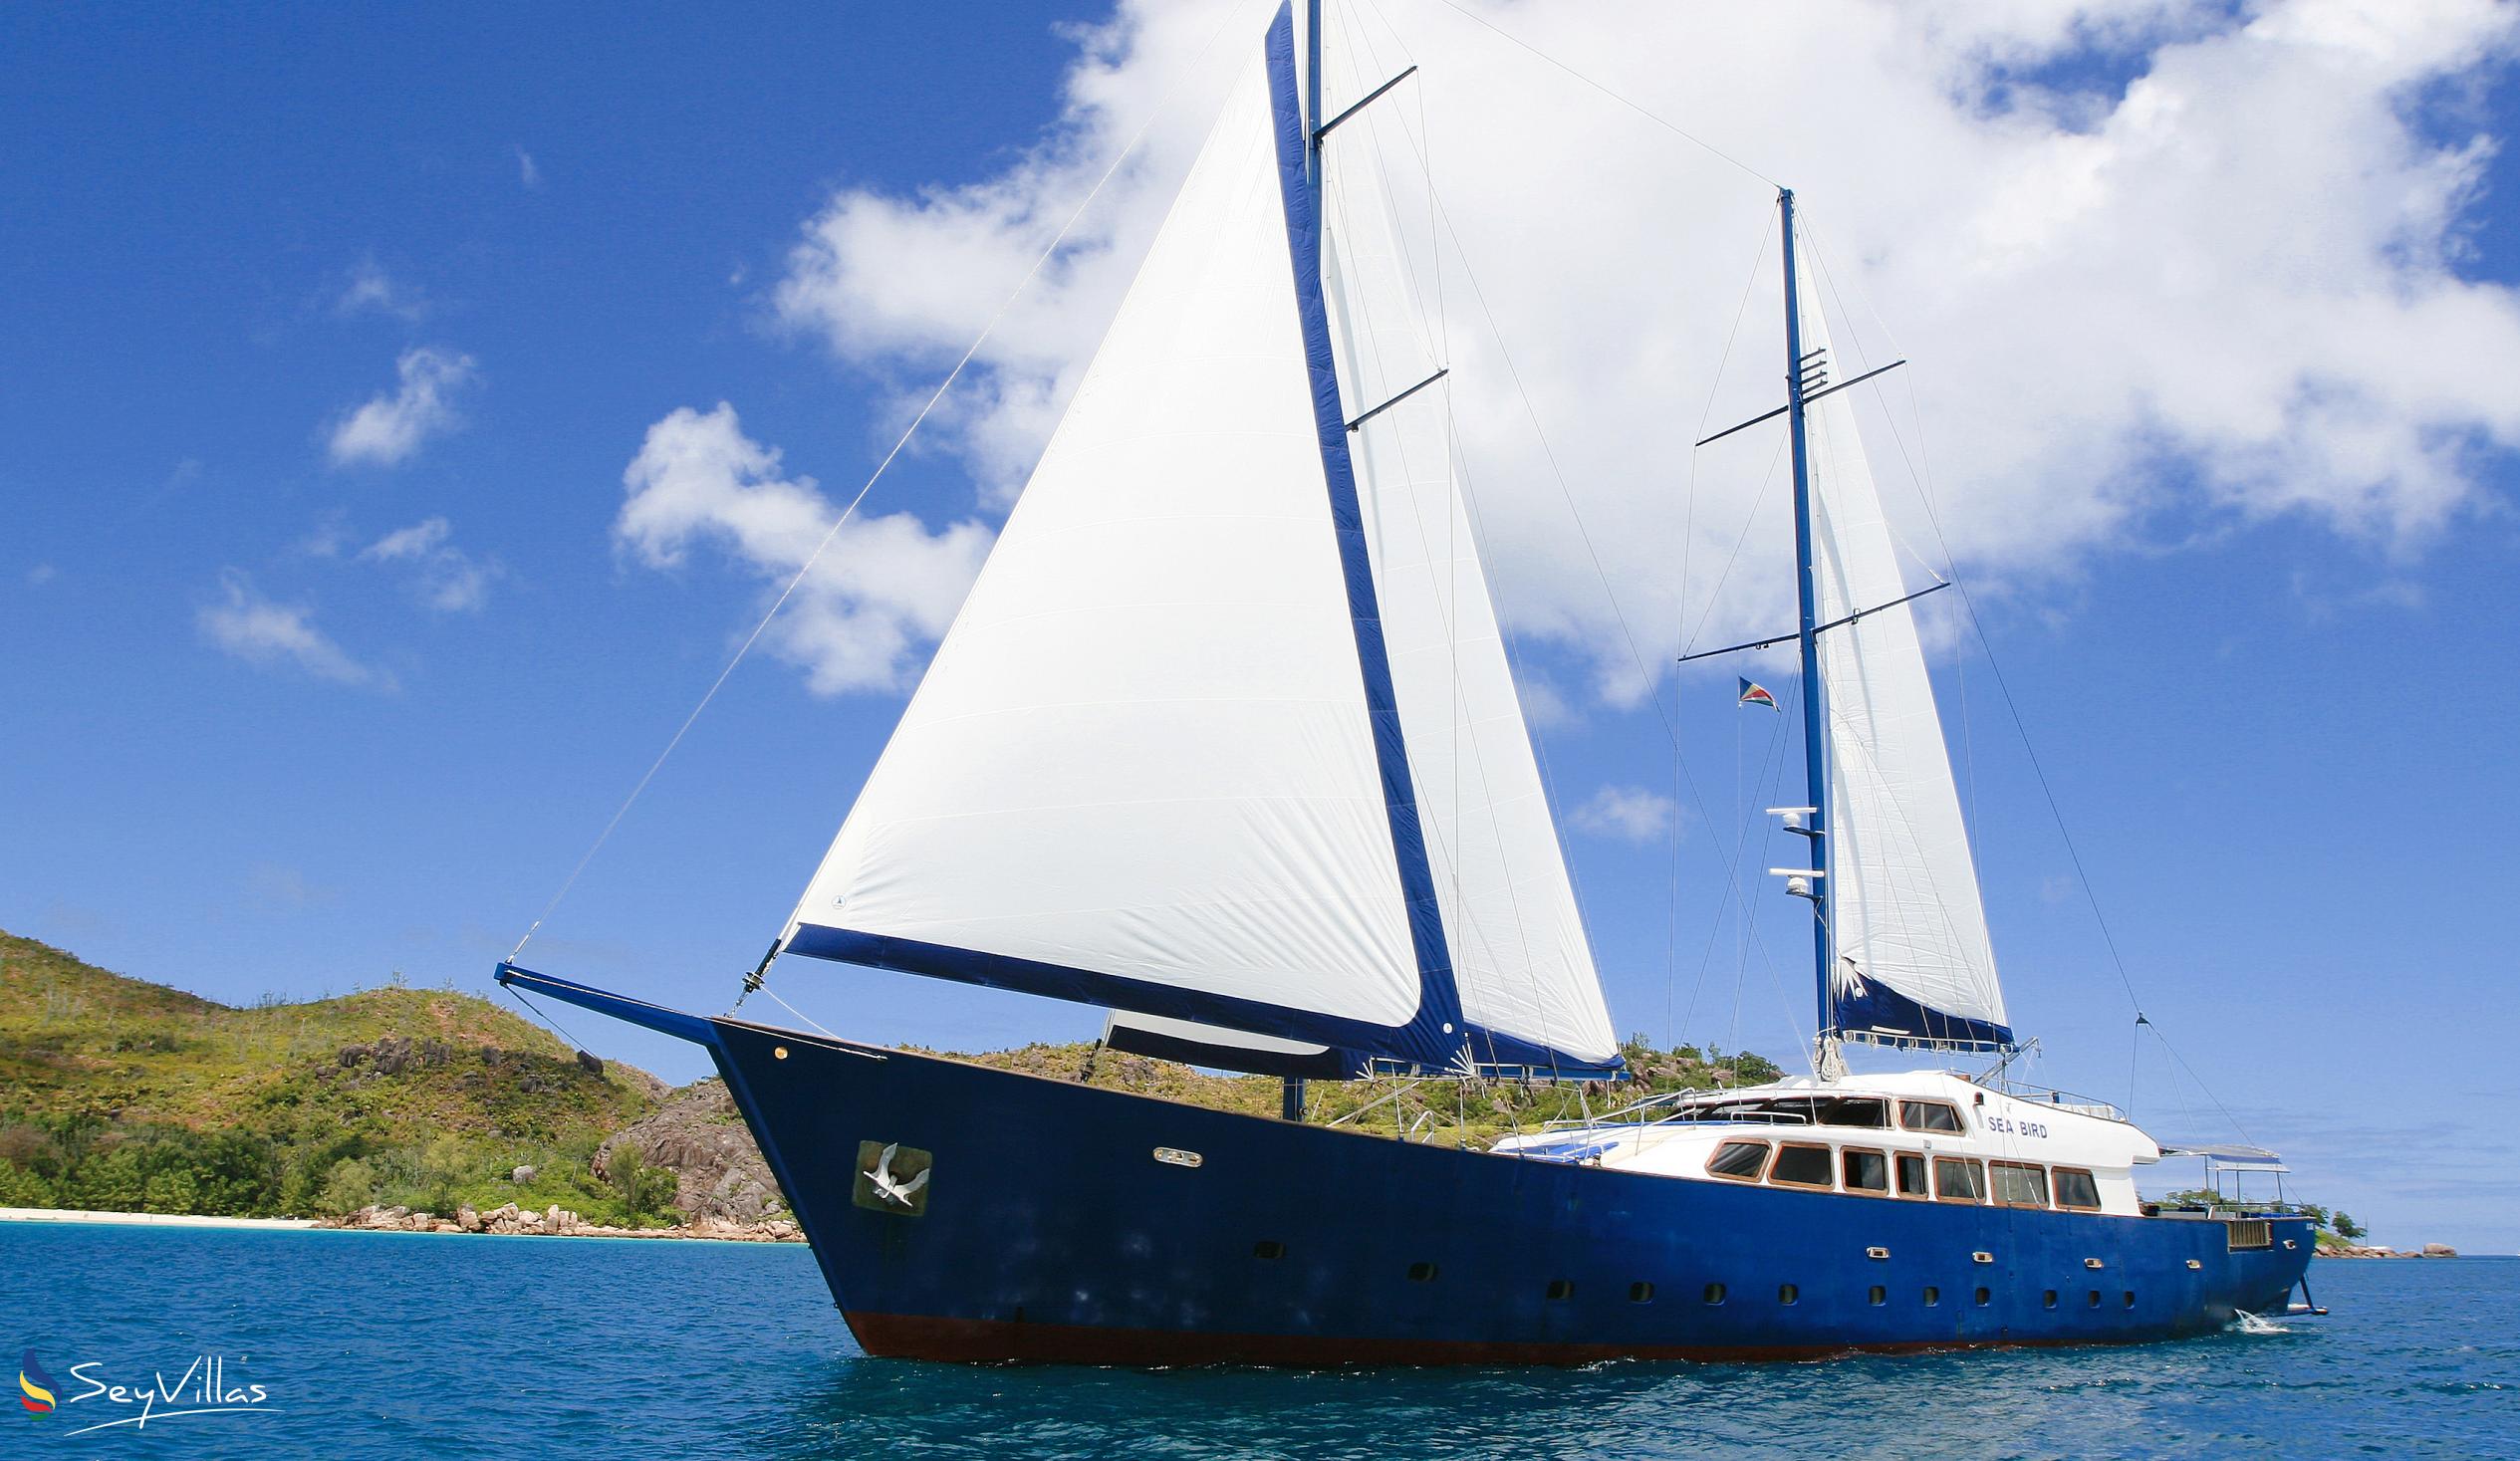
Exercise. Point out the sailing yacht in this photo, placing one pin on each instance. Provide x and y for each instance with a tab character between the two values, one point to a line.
1225	742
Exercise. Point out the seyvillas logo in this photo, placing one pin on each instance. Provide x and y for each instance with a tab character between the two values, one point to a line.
35	1387
204	1387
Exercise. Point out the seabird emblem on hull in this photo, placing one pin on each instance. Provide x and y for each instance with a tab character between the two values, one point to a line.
892	1179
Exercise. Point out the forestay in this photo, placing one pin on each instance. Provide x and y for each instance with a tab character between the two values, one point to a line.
1910	957
1158	763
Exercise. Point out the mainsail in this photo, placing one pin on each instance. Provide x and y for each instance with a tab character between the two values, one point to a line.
1167	759
1910	960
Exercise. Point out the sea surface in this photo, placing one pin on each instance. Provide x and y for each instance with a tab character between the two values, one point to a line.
409	1344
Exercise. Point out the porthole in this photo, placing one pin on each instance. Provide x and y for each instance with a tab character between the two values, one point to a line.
2050	1300
1560	1288
2194	1265
2129	1298
778	1052
2095	1298
1714	1293
1934	1296
1878	1294
1640	1292
1421	1272
1985	1297
1788	1294
1268	1248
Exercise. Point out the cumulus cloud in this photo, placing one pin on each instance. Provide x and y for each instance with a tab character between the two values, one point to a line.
446	578
260	631
884	590
2161	265
1628	813
372	291
392	424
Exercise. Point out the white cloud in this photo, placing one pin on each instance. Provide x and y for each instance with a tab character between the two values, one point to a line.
526	172
391	426
40	575
446	577
1628	813
884	590
370	290
260	631
2227	291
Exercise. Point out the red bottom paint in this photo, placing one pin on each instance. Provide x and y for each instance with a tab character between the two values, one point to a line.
997	1342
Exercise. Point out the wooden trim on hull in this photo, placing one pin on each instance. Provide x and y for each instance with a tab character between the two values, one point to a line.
999	1341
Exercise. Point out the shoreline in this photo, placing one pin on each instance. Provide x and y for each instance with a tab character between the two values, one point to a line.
560	1224
146	1219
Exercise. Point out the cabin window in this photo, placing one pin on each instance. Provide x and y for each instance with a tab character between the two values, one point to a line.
2074	1188
1562	1288
1798	1165
1934	1296
1742	1161
1930	1116
1714	1293
1640	1292
1985	1297
2129	1297
1878	1294
1421	1272
1788	1294
1268	1248
1959	1179
1912	1175
1865	1171
2095	1300
1853	1112
2049	1300
2020	1184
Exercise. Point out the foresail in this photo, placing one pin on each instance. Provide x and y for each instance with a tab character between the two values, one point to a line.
1910	957
1145	768
1521	961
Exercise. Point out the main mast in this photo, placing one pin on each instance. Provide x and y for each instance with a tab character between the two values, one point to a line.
1798	371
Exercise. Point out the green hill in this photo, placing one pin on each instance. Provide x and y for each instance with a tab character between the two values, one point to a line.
125	1095
120	1094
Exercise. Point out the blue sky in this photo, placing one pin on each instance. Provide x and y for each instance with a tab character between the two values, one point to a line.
297	703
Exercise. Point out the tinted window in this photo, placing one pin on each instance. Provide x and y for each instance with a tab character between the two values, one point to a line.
1927	1115
2020	1185
1854	1111
1867	1171
2074	1188
1912	1175
1804	1167
1740	1160
1957	1179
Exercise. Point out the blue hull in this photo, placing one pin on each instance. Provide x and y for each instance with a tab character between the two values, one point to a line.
1048	1229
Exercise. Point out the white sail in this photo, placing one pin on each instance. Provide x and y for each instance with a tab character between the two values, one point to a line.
1143	749
1520	957
1910	955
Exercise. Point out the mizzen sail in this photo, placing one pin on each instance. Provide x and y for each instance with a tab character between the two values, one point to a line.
1910	956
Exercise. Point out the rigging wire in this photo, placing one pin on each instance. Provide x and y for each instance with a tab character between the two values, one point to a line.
1922	476
1656	118
1126	150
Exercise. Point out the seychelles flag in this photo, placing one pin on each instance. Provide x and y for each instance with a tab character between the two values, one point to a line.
1756	695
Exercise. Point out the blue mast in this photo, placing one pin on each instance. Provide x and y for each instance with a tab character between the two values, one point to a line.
1814	717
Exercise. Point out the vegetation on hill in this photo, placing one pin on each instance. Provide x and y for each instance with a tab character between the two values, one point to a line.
1454	1113
124	1096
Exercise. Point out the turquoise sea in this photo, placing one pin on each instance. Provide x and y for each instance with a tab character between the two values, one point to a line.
395	1344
